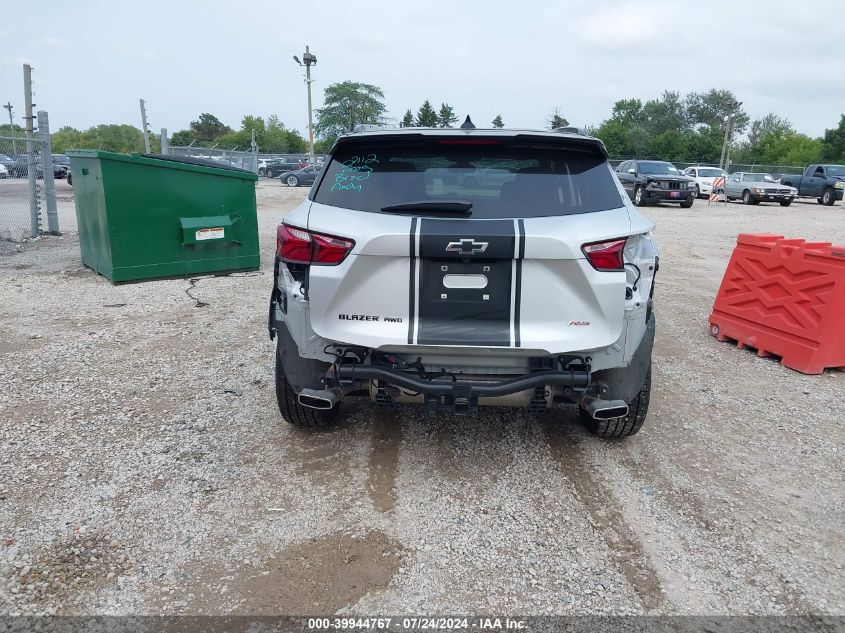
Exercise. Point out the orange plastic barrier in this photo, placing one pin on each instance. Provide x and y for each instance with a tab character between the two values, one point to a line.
784	297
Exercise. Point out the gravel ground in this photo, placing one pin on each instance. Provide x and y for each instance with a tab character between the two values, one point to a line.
144	467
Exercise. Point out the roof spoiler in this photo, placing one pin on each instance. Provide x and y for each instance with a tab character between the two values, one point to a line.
571	129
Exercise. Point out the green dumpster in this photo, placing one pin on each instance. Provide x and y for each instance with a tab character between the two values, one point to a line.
142	216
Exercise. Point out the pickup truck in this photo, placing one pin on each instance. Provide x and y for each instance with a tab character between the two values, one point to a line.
826	183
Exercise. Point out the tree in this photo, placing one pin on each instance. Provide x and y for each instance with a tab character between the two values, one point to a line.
712	108
557	120
408	119
346	105
791	148
182	137
768	125
208	127
426	116
109	137
833	143
497	122
446	117
66	138
665	114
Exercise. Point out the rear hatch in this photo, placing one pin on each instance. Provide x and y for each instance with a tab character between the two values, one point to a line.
469	241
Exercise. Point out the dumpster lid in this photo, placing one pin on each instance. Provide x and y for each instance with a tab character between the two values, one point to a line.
175	162
190	160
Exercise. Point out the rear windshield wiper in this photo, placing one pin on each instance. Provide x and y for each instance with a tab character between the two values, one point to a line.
431	206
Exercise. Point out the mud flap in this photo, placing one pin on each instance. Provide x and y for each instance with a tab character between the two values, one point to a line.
300	372
623	383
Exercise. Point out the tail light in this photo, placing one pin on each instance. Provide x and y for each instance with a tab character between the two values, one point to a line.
605	255
301	246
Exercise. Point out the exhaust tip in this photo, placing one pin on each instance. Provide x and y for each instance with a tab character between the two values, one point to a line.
604	409
323	400
610	413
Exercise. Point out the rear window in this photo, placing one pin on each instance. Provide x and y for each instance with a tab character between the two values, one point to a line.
710	173
502	179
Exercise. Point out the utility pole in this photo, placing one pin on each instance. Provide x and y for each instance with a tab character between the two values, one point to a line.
144	128
164	144
728	122
49	184
728	150
9	106
35	224
308	60
724	161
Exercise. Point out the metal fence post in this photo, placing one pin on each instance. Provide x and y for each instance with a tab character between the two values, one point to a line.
35	223
163	142
49	183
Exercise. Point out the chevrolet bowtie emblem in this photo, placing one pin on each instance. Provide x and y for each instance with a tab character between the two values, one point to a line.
466	246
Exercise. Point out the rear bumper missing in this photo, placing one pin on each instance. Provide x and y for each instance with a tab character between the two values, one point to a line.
461	389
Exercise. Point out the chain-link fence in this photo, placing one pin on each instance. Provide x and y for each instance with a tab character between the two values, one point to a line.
236	158
21	197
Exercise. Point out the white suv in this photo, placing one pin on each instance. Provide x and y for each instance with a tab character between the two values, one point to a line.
704	177
454	268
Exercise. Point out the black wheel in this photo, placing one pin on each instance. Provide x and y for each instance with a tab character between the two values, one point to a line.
639	196
827	198
292	181
262	171
686	204
293	412
626	425
697	191
70	179
747	199
786	203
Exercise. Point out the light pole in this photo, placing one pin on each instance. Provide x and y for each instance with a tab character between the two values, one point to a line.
9	106
308	60
726	144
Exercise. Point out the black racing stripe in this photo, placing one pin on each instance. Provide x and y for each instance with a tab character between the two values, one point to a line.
412	285
463	316
518	280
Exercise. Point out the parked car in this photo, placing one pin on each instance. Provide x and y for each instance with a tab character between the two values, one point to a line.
825	183
754	188
297	177
6	161
539	291
276	169
262	166
653	181
20	168
64	162
704	177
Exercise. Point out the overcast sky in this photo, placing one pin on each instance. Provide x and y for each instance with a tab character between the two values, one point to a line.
94	59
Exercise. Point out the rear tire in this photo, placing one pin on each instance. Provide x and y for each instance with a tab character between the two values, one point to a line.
627	425
293	412
292	181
